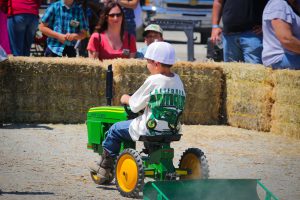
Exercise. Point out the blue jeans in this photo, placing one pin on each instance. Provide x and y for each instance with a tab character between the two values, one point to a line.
117	133
288	61
21	31
242	47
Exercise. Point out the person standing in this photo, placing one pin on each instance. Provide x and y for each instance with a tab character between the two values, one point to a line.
242	30
22	22
281	41
128	7
64	24
110	40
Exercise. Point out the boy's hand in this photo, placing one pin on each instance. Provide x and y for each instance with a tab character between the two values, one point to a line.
125	99
62	38
71	36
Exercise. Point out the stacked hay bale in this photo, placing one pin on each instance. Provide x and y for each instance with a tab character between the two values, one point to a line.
247	96
55	90
203	86
286	108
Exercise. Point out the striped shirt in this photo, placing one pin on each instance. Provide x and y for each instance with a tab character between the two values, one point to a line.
64	20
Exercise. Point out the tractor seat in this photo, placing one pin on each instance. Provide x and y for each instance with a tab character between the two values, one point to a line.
160	138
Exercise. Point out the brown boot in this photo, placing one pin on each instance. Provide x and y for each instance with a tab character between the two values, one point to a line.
104	168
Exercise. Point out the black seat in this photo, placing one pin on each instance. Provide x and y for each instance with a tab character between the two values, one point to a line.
160	138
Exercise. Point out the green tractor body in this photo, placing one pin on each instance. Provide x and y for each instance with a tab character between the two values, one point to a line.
99	120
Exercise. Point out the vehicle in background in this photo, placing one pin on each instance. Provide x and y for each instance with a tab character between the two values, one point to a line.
198	11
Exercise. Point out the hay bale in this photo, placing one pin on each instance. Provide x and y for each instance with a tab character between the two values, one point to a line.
286	109
247	96
203	86
50	90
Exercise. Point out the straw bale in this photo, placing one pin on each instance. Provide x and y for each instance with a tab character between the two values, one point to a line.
247	95
203	86
285	128
286	109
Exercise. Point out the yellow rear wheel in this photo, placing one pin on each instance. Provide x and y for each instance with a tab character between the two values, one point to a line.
194	160
129	173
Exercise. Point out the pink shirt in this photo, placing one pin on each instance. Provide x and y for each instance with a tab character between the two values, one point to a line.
21	6
105	50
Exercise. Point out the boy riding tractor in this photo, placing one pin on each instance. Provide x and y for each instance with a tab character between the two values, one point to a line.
112	132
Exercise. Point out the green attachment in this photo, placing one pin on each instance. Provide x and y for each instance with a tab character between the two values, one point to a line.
99	120
269	194
204	189
160	162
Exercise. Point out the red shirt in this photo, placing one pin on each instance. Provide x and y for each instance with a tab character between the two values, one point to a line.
15	7
105	50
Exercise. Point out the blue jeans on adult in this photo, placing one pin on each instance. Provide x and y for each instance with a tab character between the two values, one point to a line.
242	47
117	133
289	61
21	31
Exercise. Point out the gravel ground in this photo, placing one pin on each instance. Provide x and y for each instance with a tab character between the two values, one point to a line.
47	161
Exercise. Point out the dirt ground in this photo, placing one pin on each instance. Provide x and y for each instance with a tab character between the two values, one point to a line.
47	161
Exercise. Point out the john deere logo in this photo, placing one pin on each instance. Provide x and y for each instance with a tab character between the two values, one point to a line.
151	124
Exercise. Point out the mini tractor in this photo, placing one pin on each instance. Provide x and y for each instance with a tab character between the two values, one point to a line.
155	162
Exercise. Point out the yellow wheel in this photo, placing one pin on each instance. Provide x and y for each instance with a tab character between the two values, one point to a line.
194	160
129	173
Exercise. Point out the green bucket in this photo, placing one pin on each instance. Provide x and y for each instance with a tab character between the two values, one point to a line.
206	189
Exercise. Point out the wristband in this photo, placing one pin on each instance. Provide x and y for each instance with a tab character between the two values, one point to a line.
215	26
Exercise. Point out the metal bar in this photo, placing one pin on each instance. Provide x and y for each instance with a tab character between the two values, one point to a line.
269	194
161	194
109	84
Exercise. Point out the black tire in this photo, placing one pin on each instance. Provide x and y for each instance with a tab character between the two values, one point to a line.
100	181
129	173
194	160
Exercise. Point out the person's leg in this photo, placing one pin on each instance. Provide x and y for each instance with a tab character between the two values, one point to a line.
231	48
289	61
111	146
69	51
31	27
251	44
16	31
116	134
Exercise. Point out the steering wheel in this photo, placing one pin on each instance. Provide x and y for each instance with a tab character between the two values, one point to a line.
130	114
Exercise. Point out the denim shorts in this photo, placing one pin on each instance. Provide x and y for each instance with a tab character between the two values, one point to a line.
242	47
289	61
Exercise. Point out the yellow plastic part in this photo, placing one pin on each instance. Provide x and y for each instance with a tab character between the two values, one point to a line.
191	161
127	173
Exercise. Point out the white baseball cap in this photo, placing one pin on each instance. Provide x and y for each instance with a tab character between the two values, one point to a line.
162	52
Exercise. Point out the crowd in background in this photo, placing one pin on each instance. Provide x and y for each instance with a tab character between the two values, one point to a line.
255	31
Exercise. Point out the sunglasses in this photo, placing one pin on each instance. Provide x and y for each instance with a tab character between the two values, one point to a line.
115	15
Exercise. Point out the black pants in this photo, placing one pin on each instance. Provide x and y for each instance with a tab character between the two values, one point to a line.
68	51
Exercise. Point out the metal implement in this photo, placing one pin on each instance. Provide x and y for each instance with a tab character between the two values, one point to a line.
206	189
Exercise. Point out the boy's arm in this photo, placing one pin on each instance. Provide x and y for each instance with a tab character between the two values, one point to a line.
129	4
125	99
76	36
50	33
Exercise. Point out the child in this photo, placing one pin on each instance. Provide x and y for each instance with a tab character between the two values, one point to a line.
152	32
64	24
161	93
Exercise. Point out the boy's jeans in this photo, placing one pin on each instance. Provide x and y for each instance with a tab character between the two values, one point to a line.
289	61
244	47
117	133
21	30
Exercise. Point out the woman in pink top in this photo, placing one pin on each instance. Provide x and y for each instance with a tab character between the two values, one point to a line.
109	40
